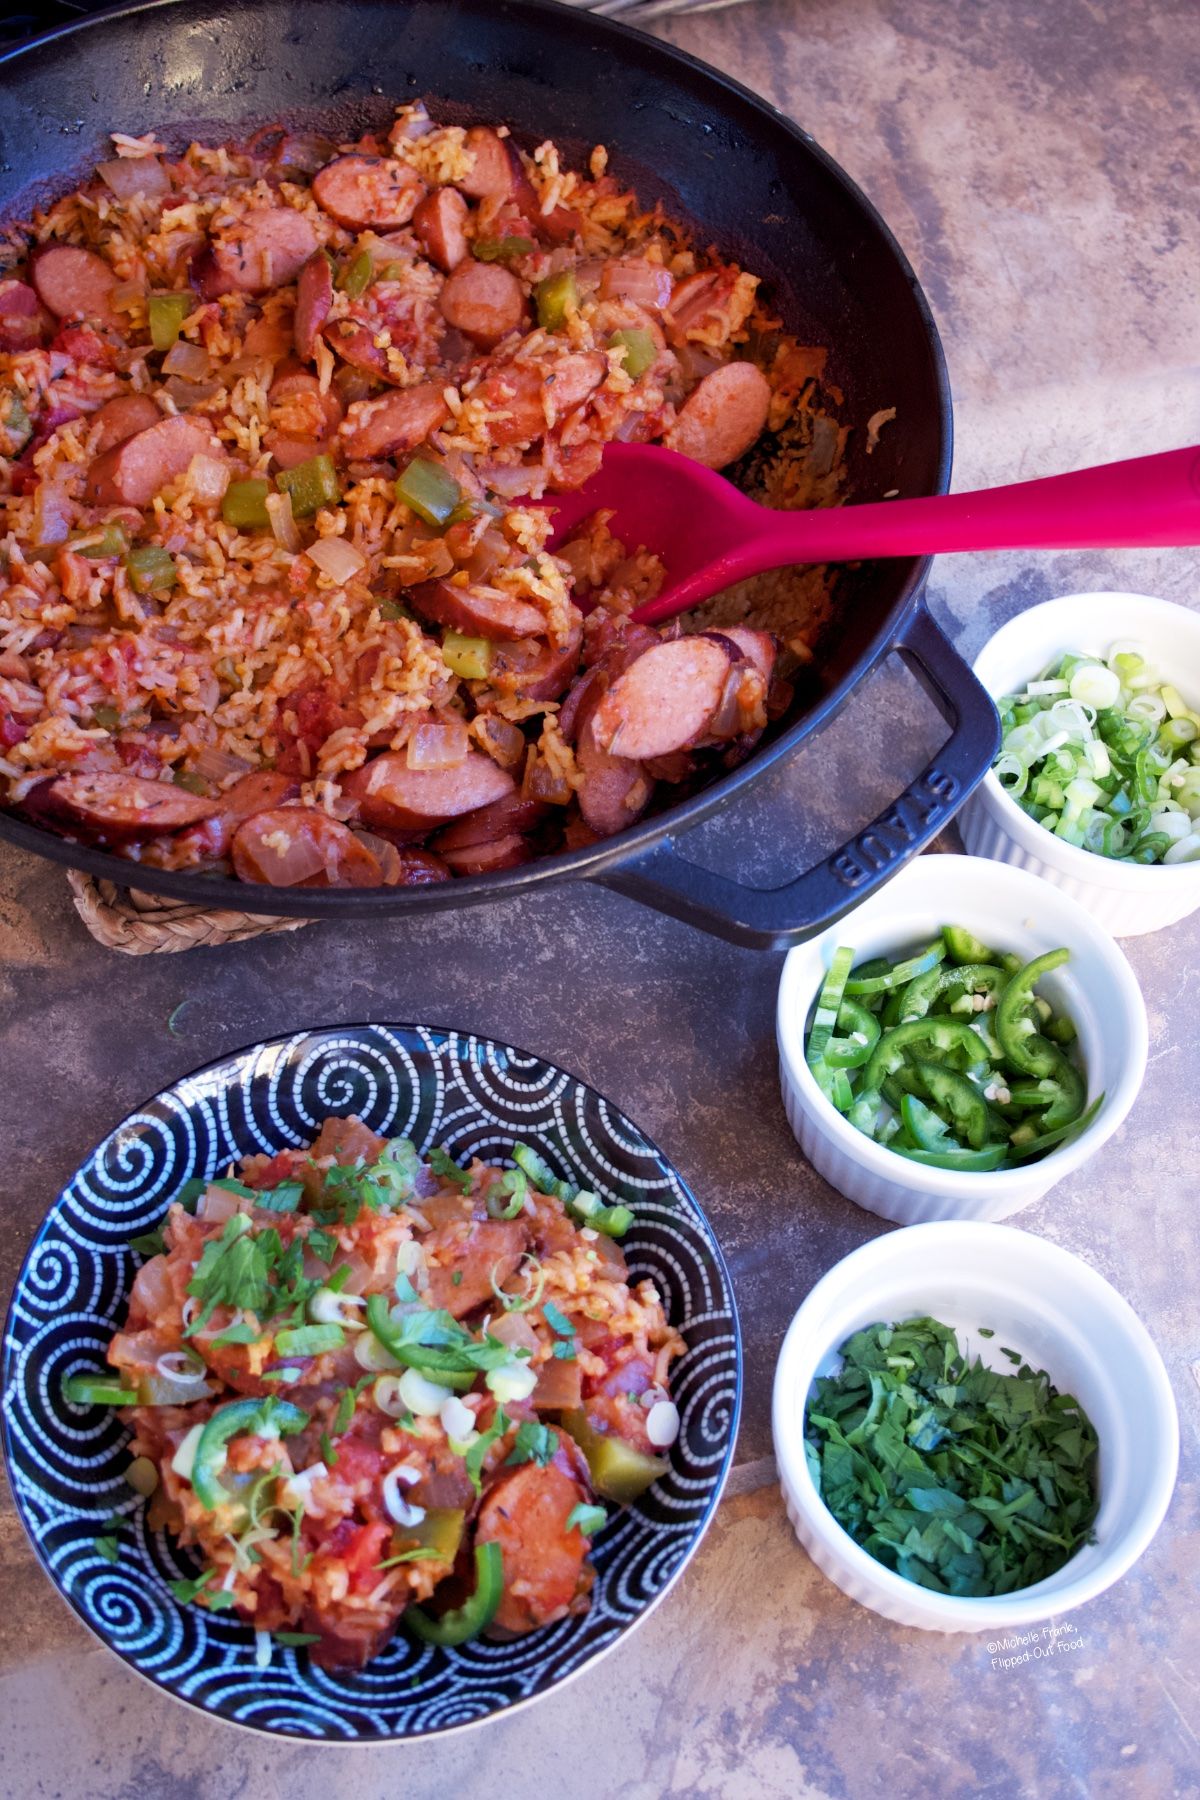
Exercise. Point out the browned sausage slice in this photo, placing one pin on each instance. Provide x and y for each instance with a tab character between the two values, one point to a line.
74	283
296	846
757	647
314	297
135	471
24	321
473	1251
508	817
526	1513
264	250
123	418
130	805
479	612
723	416
392	797
440	222
395	422
614	792
547	676
483	301
359	191
485	859
492	171
519	394
665	700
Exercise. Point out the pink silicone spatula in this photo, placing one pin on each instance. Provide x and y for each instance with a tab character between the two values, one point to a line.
709	535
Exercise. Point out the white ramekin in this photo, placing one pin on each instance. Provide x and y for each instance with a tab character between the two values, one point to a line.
1127	898
1010	910
1061	1316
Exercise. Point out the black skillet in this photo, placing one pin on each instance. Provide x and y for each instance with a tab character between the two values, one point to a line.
760	188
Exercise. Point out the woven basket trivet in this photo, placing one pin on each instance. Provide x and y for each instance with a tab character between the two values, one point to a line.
143	924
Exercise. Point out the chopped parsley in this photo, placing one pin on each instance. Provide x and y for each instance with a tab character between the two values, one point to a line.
456	1278
443	1164
350	1187
323	1245
107	1547
564	1351
587	1519
558	1321
533	1443
240	1333
328	1454
187	1591
251	1272
958	1478
474	1456
150	1243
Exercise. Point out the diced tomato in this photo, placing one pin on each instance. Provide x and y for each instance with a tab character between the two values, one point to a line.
318	714
86	346
360	1548
280	1168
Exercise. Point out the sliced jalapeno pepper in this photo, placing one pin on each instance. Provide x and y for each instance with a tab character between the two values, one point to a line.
977	1162
862	1029
917	998
965	1104
468	1620
960	986
924	1127
1025	1147
953	1040
900	974
445	1366
242	1418
829	1002
1019	1037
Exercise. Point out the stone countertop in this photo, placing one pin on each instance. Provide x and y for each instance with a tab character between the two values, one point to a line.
1039	165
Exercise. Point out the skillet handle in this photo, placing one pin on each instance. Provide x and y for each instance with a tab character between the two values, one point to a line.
773	918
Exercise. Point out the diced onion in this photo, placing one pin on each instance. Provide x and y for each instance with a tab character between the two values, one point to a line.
297	1488
336	558
187	394
207	478
284	528
129	176
662	1424
192	361
394	1503
184	1459
442	744
215	765
424	1398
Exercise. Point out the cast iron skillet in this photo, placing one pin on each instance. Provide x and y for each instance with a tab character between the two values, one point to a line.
761	189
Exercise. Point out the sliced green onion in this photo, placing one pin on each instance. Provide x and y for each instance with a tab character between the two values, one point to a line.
1100	751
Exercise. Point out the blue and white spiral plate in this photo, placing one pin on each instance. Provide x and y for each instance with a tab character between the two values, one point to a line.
67	1463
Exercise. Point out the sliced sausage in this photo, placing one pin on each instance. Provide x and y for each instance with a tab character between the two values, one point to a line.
440	223
359	191
547	676
486	859
356	345
264	250
271	338
74	283
314	297
129	805
257	792
492	173
757	647
723	416
614	792
132	473
296	846
526	1513
123	418
475	1251
508	817
478	612
518	395
665	700
392	797
303	419
483	301
24	321
395	422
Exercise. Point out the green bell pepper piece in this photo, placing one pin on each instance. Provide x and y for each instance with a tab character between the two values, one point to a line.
429	490
468	1620
96	1390
166	314
355	277
505	249
639	347
245	504
16	427
312	485
151	569
556	298
470	658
